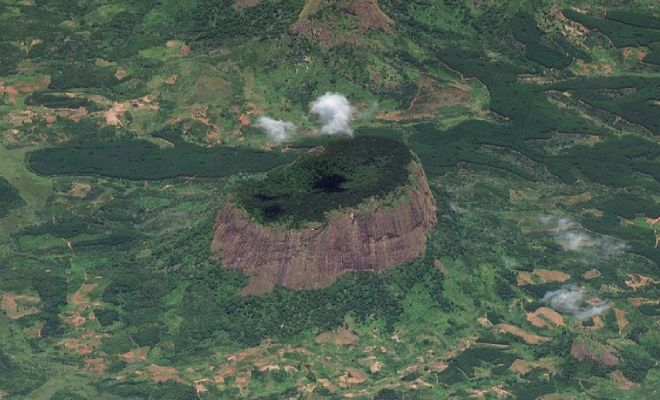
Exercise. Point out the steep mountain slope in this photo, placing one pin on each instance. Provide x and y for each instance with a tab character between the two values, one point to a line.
313	257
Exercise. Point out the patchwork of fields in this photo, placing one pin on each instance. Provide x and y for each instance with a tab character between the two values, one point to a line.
125	126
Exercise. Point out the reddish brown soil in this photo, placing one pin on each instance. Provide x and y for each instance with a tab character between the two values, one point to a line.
314	257
13	91
160	374
244	119
545	316
137	354
599	353
120	74
338	337
18	305
529	338
352	376
324	33
637	281
171	80
96	366
84	344
369	15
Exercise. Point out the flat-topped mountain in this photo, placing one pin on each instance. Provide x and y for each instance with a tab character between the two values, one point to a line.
362	204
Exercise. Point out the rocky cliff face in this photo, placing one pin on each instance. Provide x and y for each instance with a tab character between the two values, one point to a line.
315	257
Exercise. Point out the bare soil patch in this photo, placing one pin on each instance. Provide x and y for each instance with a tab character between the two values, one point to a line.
80	298
120	74
637	281
591	274
529	338
184	50
352	376
543	316
370	15
548	275
524	278
244	120
540	275
376	366
597	352
652	221
171	80
199	112
84	344
136	355
10	91
338	337
224	372
243	355
160	374
498	391
521	367
21	117
18	305
325	34
114	114
79	189
75	320
13	91
594	69
327	385
621	320
597	323
97	366
628	52
81	302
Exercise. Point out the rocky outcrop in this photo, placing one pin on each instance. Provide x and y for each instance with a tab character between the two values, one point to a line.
314	257
597	352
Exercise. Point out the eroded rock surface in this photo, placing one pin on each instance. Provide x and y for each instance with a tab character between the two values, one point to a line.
314	257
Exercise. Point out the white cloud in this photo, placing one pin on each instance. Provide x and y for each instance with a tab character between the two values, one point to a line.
572	299
574	240
571	236
277	130
335	112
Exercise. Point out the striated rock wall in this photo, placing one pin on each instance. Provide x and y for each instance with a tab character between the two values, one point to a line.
315	257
